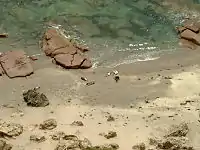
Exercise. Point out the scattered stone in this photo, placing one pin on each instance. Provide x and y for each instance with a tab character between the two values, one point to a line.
16	64
83	78
37	138
58	136
4	145
90	83
140	146
35	99
110	118
64	52
110	134
180	130
49	124
77	123
167	77
10	130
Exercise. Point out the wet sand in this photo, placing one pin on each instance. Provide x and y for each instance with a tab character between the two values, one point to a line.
145	102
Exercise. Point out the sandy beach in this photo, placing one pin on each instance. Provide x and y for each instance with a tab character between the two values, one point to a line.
148	99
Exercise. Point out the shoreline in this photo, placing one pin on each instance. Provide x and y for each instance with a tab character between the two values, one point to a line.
149	98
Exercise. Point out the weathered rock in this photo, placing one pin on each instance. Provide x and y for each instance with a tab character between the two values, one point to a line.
174	144
58	136
65	53
140	146
180	130
74	61
35	99
72	142
49	124
192	25
4	145
16	64
37	138
188	44
10	129
109	135
191	36
77	123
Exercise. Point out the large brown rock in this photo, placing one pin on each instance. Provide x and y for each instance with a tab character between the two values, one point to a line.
191	36
64	52
16	64
188	44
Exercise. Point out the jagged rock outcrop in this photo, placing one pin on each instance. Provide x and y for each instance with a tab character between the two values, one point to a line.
64	52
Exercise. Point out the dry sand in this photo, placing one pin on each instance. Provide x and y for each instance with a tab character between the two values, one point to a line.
149	98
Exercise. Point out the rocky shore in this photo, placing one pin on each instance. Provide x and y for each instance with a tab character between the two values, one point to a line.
56	103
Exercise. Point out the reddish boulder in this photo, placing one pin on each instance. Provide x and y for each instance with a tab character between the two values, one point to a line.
64	52
188	44
192	25
16	64
73	61
191	36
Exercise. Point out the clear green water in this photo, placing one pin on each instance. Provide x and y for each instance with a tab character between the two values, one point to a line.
117	31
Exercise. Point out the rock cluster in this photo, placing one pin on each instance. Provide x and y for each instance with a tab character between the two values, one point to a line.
189	34
64	52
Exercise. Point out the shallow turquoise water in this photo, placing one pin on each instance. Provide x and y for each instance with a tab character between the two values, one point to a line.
116	30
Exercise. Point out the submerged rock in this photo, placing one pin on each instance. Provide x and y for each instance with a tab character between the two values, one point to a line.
35	99
10	129
16	64
4	145
49	124
64	52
